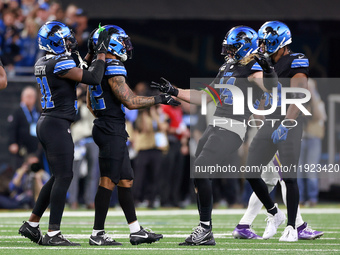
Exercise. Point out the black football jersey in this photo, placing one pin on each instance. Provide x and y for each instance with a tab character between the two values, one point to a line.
236	74
286	67
58	95
106	106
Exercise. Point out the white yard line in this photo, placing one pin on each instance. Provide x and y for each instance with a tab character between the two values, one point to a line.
167	212
167	249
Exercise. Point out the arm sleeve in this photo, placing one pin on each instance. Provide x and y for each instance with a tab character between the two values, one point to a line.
95	73
270	80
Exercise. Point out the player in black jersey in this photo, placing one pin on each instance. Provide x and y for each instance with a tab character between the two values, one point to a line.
57	76
3	77
292	71
106	100
221	140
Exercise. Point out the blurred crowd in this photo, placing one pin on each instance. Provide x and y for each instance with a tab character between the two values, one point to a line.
20	21
162	138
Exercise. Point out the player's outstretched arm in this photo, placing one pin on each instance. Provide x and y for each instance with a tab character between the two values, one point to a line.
188	95
3	77
97	68
123	92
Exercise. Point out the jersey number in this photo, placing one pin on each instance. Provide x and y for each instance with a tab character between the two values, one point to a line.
46	99
226	93
97	102
269	97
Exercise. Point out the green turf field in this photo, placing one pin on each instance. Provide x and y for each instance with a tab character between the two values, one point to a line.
175	225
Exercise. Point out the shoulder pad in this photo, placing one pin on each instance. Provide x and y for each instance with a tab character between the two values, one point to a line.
114	67
299	60
64	63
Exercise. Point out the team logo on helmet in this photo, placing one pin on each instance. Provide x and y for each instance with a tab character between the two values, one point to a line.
270	30
243	36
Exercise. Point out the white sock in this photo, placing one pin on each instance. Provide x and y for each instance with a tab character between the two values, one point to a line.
33	224
53	233
95	232
207	223
254	207
134	227
299	221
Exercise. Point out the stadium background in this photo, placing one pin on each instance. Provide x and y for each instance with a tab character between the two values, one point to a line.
182	39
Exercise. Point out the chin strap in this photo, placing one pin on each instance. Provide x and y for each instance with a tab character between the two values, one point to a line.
82	63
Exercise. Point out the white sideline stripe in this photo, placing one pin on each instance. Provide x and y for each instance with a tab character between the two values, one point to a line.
167	212
163	249
82	236
227	243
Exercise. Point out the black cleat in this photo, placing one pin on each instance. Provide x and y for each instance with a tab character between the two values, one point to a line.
144	236
102	239
32	233
57	240
200	236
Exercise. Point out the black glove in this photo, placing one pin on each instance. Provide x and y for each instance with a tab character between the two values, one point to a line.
90	45
166	99
165	87
103	42
264	62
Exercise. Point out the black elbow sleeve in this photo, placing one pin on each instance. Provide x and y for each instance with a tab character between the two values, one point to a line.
270	80
94	76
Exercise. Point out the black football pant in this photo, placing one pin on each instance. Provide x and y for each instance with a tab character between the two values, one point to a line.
262	150
55	137
215	146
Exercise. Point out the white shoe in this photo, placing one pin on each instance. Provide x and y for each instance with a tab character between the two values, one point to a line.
289	235
273	222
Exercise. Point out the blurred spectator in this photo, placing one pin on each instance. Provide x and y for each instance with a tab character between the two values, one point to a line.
22	137
27	7
10	40
149	141
172	175
25	185
28	44
85	164
42	14
82	31
311	146
56	11
70	16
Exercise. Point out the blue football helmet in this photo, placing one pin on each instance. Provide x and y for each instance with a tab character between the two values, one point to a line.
56	37
120	43
239	42
274	35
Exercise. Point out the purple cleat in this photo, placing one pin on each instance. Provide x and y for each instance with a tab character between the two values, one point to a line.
306	233
245	232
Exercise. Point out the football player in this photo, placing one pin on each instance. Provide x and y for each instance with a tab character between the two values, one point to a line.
106	100
3	77
292	70
57	77
242	69
244	231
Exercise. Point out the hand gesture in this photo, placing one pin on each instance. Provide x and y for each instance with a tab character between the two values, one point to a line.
165	87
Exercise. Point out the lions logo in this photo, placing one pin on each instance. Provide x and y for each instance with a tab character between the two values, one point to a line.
243	36
270	30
